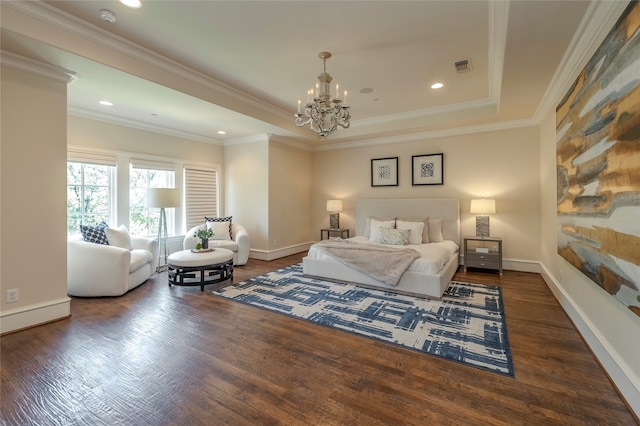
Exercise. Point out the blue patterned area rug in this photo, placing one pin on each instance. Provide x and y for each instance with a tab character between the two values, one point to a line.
467	325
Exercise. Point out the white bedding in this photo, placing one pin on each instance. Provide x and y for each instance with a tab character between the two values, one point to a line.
428	276
433	256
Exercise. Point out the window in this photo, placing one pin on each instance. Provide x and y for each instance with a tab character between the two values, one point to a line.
148	174
201	194
89	194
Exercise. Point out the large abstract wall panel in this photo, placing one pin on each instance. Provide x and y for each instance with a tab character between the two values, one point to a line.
598	163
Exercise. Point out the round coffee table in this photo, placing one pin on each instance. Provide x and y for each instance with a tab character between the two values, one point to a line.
189	268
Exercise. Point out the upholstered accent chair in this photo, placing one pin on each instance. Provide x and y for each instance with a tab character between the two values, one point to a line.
236	239
95	270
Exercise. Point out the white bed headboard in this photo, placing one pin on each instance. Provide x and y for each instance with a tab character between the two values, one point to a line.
447	209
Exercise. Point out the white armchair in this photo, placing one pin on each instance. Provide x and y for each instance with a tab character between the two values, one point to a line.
105	270
239	243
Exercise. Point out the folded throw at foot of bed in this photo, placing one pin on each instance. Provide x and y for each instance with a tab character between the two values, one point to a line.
385	264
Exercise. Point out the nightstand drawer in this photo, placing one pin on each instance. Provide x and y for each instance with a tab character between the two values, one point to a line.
488	264
484	257
483	252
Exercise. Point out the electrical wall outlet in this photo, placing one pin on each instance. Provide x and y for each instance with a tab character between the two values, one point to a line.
13	295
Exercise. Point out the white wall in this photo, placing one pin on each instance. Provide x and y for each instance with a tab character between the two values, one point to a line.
247	189
33	211
99	134
289	198
500	164
610	329
268	191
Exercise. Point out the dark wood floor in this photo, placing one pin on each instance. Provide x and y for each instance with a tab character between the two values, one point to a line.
178	356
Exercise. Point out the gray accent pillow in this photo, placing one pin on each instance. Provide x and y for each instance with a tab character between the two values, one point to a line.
395	237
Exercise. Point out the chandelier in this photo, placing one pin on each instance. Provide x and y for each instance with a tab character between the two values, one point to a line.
323	113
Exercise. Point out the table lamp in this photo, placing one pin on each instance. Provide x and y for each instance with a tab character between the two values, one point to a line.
334	207
483	207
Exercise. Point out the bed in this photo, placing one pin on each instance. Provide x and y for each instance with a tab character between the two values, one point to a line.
422	277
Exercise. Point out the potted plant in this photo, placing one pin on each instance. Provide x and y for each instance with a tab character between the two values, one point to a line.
204	235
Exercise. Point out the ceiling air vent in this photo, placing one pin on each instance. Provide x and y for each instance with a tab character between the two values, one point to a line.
463	66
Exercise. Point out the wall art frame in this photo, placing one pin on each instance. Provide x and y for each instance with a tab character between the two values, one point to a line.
427	169
384	171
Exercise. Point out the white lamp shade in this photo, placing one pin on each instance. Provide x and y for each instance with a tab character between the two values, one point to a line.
163	197
334	205
483	206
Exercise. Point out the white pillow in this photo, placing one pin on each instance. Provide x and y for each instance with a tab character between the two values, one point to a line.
220	230
375	228
396	237
119	237
416	228
367	223
435	230
425	230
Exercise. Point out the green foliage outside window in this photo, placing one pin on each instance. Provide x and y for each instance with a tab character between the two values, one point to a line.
88	195
142	220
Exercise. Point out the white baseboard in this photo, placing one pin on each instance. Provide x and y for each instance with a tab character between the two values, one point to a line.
278	253
625	380
30	316
521	265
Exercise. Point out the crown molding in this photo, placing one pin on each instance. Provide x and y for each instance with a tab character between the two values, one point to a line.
416	137
38	68
268	138
71	24
498	24
422	113
600	17
262	137
121	121
288	142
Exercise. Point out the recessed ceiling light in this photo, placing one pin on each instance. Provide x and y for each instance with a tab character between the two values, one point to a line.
437	85
222	132
106	103
133	4
365	90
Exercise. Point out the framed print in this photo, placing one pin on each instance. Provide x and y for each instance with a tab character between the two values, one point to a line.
427	169
384	171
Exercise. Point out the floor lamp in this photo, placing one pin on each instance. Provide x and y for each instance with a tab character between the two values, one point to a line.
162	198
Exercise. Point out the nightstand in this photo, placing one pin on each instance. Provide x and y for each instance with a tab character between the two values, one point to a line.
483	252
330	231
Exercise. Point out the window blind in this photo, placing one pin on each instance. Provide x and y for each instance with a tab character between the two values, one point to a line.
137	163
201	195
91	158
